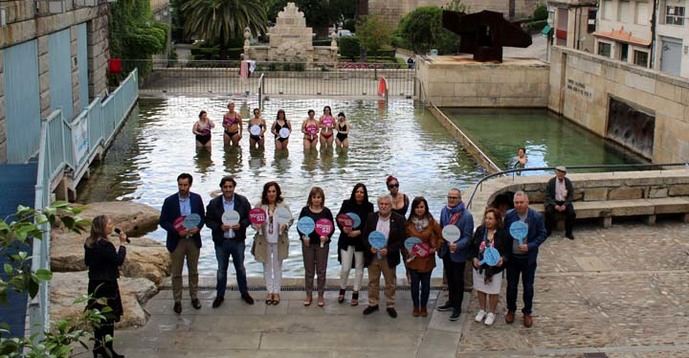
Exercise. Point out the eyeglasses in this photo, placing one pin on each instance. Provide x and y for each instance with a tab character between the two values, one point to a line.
390	186
452	197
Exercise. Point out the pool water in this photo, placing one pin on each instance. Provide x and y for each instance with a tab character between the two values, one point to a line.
549	140
397	137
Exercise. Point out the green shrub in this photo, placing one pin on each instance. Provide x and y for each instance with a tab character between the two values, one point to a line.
349	47
423	30
540	13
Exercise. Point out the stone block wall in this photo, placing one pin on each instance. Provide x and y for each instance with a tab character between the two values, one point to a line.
3	133
98	52
76	101
587	82
451	81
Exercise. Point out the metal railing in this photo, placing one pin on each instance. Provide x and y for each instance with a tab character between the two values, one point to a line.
165	77
626	167
71	144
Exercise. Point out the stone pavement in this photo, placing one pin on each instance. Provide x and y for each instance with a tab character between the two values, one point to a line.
619	292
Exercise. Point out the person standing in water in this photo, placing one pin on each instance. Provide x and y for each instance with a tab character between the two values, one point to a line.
202	130
343	127
327	123
232	124
281	123
310	130
257	125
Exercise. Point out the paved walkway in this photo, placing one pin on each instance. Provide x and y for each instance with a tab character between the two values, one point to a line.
623	292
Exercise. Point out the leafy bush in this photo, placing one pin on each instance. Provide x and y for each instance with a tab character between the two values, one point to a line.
373	33
349	47
540	13
423	30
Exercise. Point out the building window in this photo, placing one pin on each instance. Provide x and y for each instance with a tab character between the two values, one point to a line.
608	10
625	12
674	15
624	52
591	24
604	49
641	58
642	13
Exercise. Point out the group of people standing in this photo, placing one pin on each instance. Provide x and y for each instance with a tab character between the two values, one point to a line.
326	129
271	247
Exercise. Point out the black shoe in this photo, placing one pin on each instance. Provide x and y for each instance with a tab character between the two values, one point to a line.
100	352
391	312
178	307
218	301
196	304
248	299
370	309
570	236
455	314
111	352
446	307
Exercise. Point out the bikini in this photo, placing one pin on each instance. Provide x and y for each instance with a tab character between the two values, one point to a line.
204	138
227	121
278	127
311	137
341	136
330	134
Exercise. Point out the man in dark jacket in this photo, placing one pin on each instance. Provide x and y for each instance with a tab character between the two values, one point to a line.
385	260
558	200
229	240
523	258
183	243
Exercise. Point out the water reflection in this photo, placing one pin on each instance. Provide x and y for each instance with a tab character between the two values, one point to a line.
257	158
203	160
232	159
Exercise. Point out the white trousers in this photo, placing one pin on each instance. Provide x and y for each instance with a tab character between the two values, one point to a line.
346	256
272	269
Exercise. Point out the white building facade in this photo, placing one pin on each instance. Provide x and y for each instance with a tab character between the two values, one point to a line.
672	38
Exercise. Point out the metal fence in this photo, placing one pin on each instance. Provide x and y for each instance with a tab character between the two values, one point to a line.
163	77
72	145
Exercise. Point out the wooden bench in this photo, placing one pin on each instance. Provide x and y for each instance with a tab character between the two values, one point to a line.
608	209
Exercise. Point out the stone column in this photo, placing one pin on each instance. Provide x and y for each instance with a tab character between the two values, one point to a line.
74	47
3	131
44	75
98	52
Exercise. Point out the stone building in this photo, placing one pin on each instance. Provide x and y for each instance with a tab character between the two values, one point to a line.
53	54
573	23
624	31
393	10
672	38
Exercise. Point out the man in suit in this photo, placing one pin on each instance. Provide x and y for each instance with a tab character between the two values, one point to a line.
558	199
229	240
455	254
392	226
522	259
183	243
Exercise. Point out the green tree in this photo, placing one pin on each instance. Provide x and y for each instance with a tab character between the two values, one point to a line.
16	233
423	30
319	14
221	21
456	5
373	33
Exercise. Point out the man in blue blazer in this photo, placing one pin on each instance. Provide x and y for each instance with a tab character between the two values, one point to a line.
455	254
182	243
229	240
523	258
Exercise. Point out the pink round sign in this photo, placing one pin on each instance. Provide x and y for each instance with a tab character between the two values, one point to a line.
324	227
257	216
345	220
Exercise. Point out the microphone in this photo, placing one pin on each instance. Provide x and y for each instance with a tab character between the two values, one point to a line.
118	231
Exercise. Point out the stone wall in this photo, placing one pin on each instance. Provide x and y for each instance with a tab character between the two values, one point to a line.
3	132
98	52
393	11
453	81
587	82
588	187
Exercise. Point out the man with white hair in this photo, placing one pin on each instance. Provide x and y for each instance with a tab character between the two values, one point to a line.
523	258
385	260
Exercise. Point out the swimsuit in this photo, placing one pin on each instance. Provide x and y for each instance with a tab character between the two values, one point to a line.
341	136
256	137
328	119
205	137
277	130
227	121
312	133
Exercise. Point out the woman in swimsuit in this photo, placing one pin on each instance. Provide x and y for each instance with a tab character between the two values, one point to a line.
202	130
326	122
257	141
280	123
342	127
400	201
310	130
232	123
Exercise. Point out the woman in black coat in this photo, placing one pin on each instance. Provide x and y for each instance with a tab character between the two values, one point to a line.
103	262
350	246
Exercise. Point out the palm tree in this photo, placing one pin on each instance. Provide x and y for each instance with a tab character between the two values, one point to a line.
220	21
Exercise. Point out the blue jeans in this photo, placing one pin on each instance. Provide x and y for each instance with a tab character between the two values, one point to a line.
520	267
424	279
222	254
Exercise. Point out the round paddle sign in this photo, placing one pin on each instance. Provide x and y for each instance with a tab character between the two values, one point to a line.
451	233
345	221
255	130
519	230
377	240
230	218
306	225
491	256
421	250
284	133
178	224
191	221
257	216
283	215
324	227
356	220
410	242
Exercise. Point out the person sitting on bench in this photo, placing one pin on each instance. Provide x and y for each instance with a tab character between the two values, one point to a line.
558	199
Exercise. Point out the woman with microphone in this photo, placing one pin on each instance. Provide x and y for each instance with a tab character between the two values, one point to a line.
103	261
